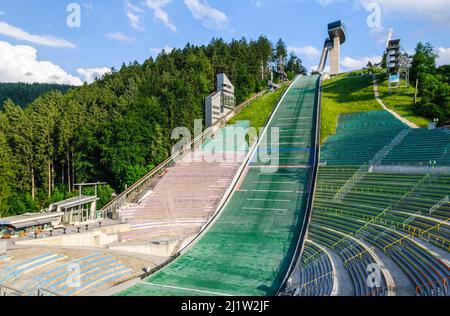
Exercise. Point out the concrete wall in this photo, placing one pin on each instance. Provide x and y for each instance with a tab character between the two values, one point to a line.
162	250
3	247
335	55
408	169
212	108
99	237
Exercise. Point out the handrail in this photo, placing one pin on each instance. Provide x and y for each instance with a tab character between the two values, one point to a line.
127	195
10	289
411	235
312	190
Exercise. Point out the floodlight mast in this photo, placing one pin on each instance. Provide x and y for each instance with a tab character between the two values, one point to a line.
398	64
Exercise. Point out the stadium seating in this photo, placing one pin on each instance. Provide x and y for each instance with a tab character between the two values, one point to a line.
399	213
183	200
421	147
317	276
409	197
359	137
53	274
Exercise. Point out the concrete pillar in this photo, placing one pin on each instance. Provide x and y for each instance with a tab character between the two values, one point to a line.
335	56
93	211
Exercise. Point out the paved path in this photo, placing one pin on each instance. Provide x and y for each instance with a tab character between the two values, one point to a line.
398	116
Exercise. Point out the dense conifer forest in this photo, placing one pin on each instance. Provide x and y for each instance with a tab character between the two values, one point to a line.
25	93
118	128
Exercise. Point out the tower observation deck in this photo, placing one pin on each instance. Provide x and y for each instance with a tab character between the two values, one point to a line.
332	46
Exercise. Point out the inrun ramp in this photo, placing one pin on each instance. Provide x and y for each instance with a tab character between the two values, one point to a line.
250	247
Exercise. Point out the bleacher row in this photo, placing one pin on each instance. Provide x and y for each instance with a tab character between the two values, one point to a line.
359	136
318	276
185	198
404	215
420	147
354	254
52	273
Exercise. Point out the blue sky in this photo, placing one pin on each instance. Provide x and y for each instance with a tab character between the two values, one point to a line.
116	31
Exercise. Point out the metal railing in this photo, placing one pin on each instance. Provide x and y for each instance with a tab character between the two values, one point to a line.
438	205
7	290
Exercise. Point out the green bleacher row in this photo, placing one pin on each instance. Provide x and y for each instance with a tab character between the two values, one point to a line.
429	274
398	198
317	277
359	136
420	147
357	260
404	195
383	207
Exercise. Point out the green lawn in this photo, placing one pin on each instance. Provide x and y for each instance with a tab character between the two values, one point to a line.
258	111
343	94
401	101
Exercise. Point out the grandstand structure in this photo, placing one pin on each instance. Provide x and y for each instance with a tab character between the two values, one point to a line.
382	191
179	204
252	243
53	273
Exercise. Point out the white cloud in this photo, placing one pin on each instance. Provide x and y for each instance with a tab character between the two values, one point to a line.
133	7
156	51
135	20
308	51
159	14
19	63
133	14
436	10
211	18
324	3
444	56
119	36
21	35
349	63
90	74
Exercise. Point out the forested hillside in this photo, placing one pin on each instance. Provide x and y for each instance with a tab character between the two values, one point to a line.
434	84
118	128
24	93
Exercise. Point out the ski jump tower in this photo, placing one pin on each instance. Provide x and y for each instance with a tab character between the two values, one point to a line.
332	46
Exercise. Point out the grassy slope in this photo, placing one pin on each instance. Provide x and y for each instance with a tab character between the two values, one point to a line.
258	111
401	101
345	94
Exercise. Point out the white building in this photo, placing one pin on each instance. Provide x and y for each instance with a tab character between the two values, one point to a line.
221	102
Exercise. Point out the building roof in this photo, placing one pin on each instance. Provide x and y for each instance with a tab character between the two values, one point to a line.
337	29
30	219
75	201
